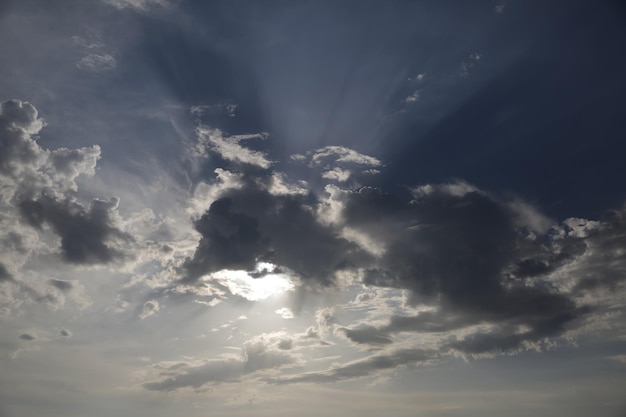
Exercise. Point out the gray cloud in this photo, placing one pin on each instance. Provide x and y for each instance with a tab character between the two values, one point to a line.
259	353
39	185
88	235
250	225
97	62
61	285
5	275
27	337
65	333
363	367
365	334
18	122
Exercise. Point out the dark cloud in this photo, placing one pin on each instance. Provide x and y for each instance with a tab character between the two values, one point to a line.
88	235
61	285
251	225
366	334
27	337
453	247
65	333
5	275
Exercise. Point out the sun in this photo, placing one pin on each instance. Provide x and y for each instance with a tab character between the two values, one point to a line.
269	284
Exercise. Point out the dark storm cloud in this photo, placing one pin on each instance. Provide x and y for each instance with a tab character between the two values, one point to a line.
88	235
251	225
27	337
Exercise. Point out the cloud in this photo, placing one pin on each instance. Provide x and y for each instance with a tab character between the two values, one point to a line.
339	163
342	155
362	368
366	334
97	63
19	121
250	225
150	308
467	66
262	352
65	333
229	148
5	275
27	337
140	5
88	235
63	286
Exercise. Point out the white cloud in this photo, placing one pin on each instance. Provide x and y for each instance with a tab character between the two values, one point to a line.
342	154
337	174
229	148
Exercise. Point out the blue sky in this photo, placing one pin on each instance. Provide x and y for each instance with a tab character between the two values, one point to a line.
408	208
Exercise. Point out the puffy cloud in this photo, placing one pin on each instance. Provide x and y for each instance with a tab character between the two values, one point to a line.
19	121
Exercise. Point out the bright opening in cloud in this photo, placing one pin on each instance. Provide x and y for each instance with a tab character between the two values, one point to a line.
267	284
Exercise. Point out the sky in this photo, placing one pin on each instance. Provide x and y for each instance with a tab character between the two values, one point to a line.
276	208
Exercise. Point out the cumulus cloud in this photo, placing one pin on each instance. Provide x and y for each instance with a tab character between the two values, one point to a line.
38	184
39	200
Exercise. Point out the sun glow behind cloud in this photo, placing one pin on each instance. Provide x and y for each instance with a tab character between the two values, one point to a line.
267	285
